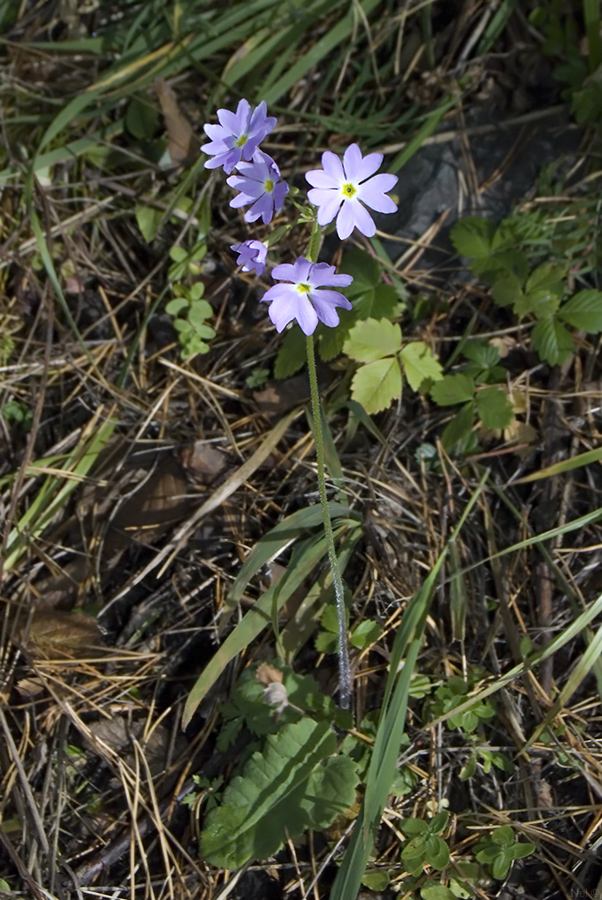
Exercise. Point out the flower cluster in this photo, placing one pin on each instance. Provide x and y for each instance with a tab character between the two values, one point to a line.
234	144
342	190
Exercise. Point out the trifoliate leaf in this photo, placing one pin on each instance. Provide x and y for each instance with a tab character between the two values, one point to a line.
552	341
473	236
292	354
294	785
420	364
364	269
377	384
453	389
372	339
386	302
583	311
494	408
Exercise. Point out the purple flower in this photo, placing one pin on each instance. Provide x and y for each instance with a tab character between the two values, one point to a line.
237	136
251	256
344	187
259	184
302	300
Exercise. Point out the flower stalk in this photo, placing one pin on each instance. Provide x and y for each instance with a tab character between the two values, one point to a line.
339	591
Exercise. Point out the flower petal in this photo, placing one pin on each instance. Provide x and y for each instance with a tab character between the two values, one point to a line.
357	168
363	220
283	272
328	203
306	315
318	178
333	167
372	193
325	304
345	220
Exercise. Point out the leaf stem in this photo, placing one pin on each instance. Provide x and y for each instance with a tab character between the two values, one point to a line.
344	668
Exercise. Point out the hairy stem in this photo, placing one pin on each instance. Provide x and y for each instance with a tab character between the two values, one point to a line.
344	669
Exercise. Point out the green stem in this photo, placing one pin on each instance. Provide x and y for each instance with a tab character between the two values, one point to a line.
339	592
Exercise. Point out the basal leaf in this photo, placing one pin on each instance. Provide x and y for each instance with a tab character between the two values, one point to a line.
284	791
459	427
507	290
583	311
364	269
546	278
292	354
552	341
377	384
148	220
540	303
473	236
386	303
419	364
372	339
453	389
494	408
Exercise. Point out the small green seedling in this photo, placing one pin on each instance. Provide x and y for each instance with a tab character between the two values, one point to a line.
453	694
192	329
425	845
499	850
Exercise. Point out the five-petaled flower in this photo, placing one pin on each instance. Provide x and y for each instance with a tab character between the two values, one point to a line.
259	184
237	136
345	187
251	256
304	297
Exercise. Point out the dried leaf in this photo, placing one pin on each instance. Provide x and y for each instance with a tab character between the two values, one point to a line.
52	630
179	129
268	674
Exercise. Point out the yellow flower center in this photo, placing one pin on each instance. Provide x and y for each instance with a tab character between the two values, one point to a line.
268	185
303	288
349	190
242	140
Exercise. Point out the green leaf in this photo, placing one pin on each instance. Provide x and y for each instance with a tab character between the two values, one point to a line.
372	339
366	633
540	303
148	221
494	408
376	881
413	827
292	354
419	364
453	389
459	427
326	642
377	384
507	290
434	891
552	341
141	118
437	852
583	311
481	352
548	277
501	866
294	785
473	236
519	851
332	339
503	836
